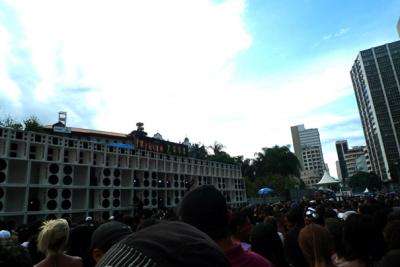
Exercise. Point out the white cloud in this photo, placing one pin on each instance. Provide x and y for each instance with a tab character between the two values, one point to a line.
330	36
169	64
8	88
342	32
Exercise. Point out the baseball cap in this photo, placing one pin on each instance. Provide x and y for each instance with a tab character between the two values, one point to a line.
166	244
108	234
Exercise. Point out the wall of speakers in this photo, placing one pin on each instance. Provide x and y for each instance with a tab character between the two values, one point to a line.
3	171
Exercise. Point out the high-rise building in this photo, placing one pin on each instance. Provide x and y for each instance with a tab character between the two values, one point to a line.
351	157
307	147
341	149
363	163
375	76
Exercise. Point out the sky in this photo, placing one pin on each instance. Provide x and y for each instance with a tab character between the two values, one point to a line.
236	72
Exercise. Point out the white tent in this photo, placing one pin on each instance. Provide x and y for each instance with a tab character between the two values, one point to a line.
327	179
366	190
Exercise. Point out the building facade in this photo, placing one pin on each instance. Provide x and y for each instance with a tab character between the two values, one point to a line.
307	148
375	76
351	159
341	149
79	172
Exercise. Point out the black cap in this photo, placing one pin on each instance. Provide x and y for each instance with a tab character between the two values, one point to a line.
108	234
166	244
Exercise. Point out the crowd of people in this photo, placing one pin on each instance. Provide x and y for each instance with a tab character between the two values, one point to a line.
205	231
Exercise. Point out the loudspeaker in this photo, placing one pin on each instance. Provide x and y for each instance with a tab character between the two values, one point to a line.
2	198
53	171
50	199
66	203
116	198
3	170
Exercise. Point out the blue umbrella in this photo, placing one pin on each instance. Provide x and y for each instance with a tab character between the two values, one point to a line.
264	191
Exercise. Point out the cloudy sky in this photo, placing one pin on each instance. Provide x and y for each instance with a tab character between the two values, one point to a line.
237	72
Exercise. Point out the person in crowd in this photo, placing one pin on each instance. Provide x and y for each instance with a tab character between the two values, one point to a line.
52	241
105	236
79	243
335	228
317	245
274	222
363	243
14	255
391	259
391	234
240	228
205	208
294	222
266	242
166	244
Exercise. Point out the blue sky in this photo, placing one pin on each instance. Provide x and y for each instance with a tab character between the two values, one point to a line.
238	72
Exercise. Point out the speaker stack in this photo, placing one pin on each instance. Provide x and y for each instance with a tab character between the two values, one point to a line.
66	195
3	170
53	178
176	181
2	194
146	195
116	198
182	181
67	175
105	194
116	203
105	198
52	193
176	197
154	179
153	198
51	199
136	180
146	182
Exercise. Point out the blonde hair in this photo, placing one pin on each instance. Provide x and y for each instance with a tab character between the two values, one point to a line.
316	243
53	237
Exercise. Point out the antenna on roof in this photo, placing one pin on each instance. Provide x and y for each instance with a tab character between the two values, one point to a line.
62	117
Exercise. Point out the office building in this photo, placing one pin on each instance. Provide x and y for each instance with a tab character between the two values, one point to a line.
307	148
341	149
375	76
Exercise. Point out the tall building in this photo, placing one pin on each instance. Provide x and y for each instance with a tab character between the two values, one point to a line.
347	157
351	158
341	149
307	147
375	76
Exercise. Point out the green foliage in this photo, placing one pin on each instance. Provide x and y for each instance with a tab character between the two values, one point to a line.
361	180
278	183
277	161
32	124
198	151
11	123
277	168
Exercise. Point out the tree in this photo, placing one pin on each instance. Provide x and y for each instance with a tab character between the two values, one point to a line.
9	122
198	151
361	180
277	161
32	124
220	155
217	148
